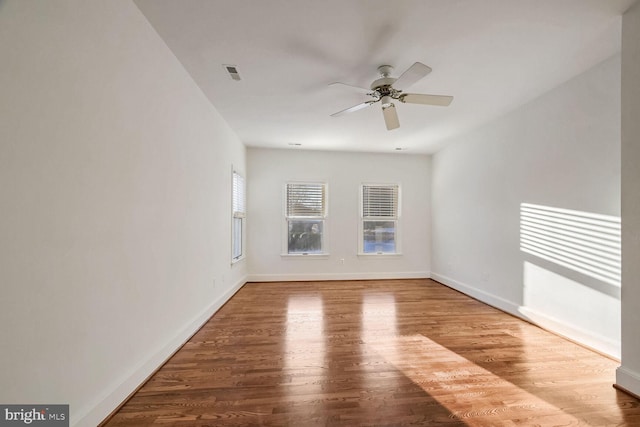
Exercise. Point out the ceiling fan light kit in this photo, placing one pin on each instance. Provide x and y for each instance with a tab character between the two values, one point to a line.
390	116
387	88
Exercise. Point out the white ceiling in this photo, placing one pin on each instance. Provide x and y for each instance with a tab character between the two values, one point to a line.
491	55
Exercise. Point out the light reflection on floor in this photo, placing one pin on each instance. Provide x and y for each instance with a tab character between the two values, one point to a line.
378	327
304	344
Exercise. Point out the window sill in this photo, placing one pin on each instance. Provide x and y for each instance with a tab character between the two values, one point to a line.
380	255
237	260
302	255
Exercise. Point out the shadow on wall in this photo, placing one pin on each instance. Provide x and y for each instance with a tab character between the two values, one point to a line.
572	271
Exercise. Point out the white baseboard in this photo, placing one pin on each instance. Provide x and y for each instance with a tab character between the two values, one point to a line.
337	276
596	342
485	297
587	338
113	398
628	380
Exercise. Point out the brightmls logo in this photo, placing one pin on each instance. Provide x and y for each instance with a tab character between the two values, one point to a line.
28	417
38	415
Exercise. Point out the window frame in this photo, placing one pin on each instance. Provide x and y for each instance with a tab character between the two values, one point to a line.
396	219
323	218
238	212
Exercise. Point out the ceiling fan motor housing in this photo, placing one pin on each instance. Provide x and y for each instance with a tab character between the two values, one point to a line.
382	87
382	82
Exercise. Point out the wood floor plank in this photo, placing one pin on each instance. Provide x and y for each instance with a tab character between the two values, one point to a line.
376	353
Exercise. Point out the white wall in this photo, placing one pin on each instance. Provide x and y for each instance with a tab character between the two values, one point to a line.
344	173
628	375
115	176
562	150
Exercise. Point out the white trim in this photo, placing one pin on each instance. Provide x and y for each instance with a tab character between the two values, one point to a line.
337	276
301	255
587	338
485	297
110	399
380	254
628	380
237	260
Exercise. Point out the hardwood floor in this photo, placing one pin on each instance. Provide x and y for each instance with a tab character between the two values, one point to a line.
376	353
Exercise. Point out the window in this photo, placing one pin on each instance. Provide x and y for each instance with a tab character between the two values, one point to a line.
239	214
379	214
305	214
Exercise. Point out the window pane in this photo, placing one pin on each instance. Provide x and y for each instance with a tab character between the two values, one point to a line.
237	238
305	236
379	236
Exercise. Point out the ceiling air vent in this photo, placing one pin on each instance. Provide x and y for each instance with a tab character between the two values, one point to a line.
233	71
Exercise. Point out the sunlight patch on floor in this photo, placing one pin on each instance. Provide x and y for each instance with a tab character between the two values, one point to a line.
464	388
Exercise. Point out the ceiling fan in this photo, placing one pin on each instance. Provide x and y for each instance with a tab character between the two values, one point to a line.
386	88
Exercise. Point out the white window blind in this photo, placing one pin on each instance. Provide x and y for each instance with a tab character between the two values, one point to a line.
239	208
306	200
379	201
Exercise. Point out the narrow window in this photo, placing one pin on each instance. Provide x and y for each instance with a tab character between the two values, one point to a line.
379	215
305	215
238	218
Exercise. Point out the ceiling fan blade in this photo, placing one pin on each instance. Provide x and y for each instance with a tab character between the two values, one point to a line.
390	117
414	73
351	87
354	108
419	98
